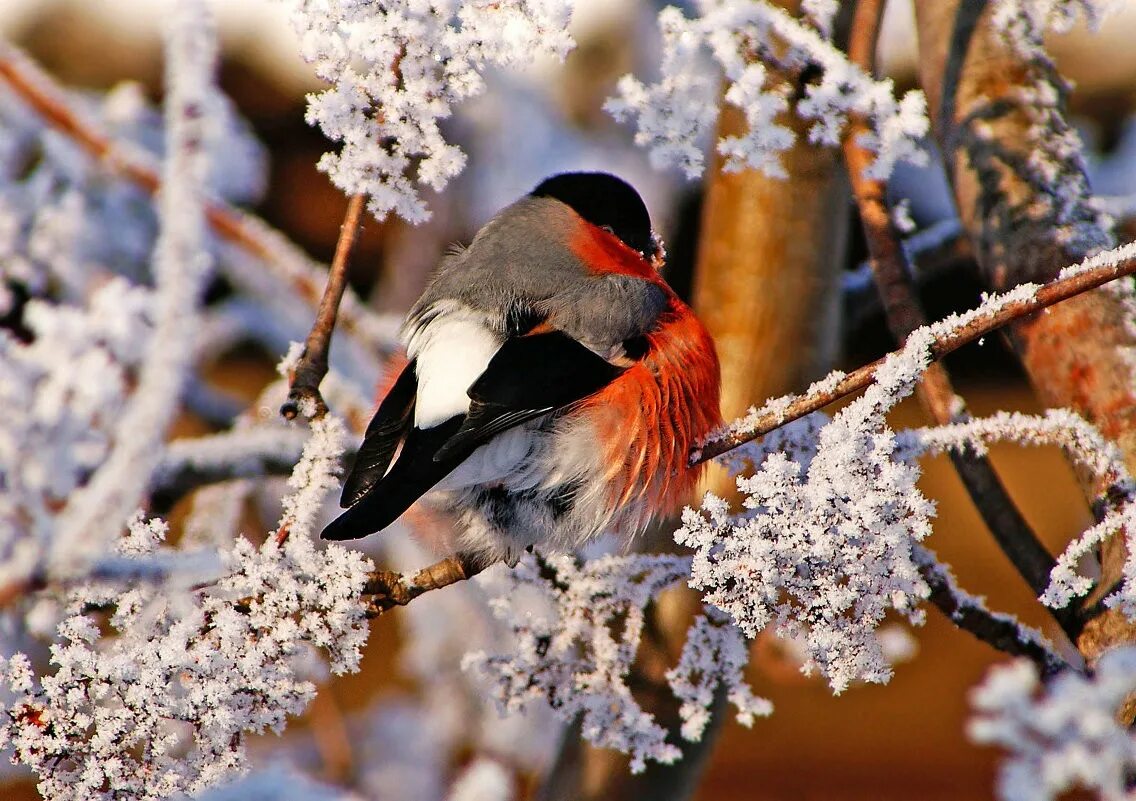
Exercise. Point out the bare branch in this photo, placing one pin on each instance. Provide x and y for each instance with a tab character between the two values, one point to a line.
387	590
312	367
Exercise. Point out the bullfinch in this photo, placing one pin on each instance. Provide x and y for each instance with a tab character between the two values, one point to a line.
555	383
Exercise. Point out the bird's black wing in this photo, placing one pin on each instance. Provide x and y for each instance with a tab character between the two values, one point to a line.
529	376
386	430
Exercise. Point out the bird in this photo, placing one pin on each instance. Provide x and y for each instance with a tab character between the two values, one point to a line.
555	383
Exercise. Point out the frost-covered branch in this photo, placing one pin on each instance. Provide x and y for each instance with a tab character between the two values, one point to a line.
397	70
1021	187
196	462
578	628
675	115
950	335
893	277
824	549
163	706
181	266
274	255
970	613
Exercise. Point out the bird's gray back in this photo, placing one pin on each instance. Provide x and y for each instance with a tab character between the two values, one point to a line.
521	263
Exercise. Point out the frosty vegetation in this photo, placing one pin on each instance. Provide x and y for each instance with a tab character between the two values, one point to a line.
136	667
397	70
675	115
1061	737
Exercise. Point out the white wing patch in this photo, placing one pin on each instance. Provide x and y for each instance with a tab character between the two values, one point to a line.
452	350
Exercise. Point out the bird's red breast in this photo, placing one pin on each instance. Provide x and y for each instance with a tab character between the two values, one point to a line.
650	417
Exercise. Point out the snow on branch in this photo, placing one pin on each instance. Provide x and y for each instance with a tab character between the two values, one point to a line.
577	630
742	39
714	656
1024	23
397	70
824	548
95	512
949	335
163	705
970	613
1062	736
75	203
824	551
1091	452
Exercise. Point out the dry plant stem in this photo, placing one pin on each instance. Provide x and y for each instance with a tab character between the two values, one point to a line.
1046	296
239	229
388	590
936	393
312	367
983	101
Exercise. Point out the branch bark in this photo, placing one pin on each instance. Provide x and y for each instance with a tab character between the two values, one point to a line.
1023	197
387	590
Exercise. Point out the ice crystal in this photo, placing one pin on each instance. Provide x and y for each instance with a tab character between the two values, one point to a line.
1063	736
397	70
744	40
577	630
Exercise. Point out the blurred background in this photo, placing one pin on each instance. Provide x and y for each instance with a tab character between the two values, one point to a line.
904	740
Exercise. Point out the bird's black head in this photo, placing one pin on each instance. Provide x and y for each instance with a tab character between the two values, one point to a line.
607	202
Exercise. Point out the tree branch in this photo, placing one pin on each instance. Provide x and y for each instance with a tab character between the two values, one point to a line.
969	613
1092	273
312	366
387	589
294	269
889	264
1019	182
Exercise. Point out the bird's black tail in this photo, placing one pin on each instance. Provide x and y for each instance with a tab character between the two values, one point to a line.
414	473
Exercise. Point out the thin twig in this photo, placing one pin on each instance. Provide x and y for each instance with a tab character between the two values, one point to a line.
889	263
242	230
1046	295
312	367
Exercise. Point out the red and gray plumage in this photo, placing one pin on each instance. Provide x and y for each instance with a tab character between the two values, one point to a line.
555	386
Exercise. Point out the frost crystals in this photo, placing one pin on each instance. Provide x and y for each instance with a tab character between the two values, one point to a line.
744	39
397	70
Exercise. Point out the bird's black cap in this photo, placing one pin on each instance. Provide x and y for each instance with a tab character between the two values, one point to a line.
604	200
